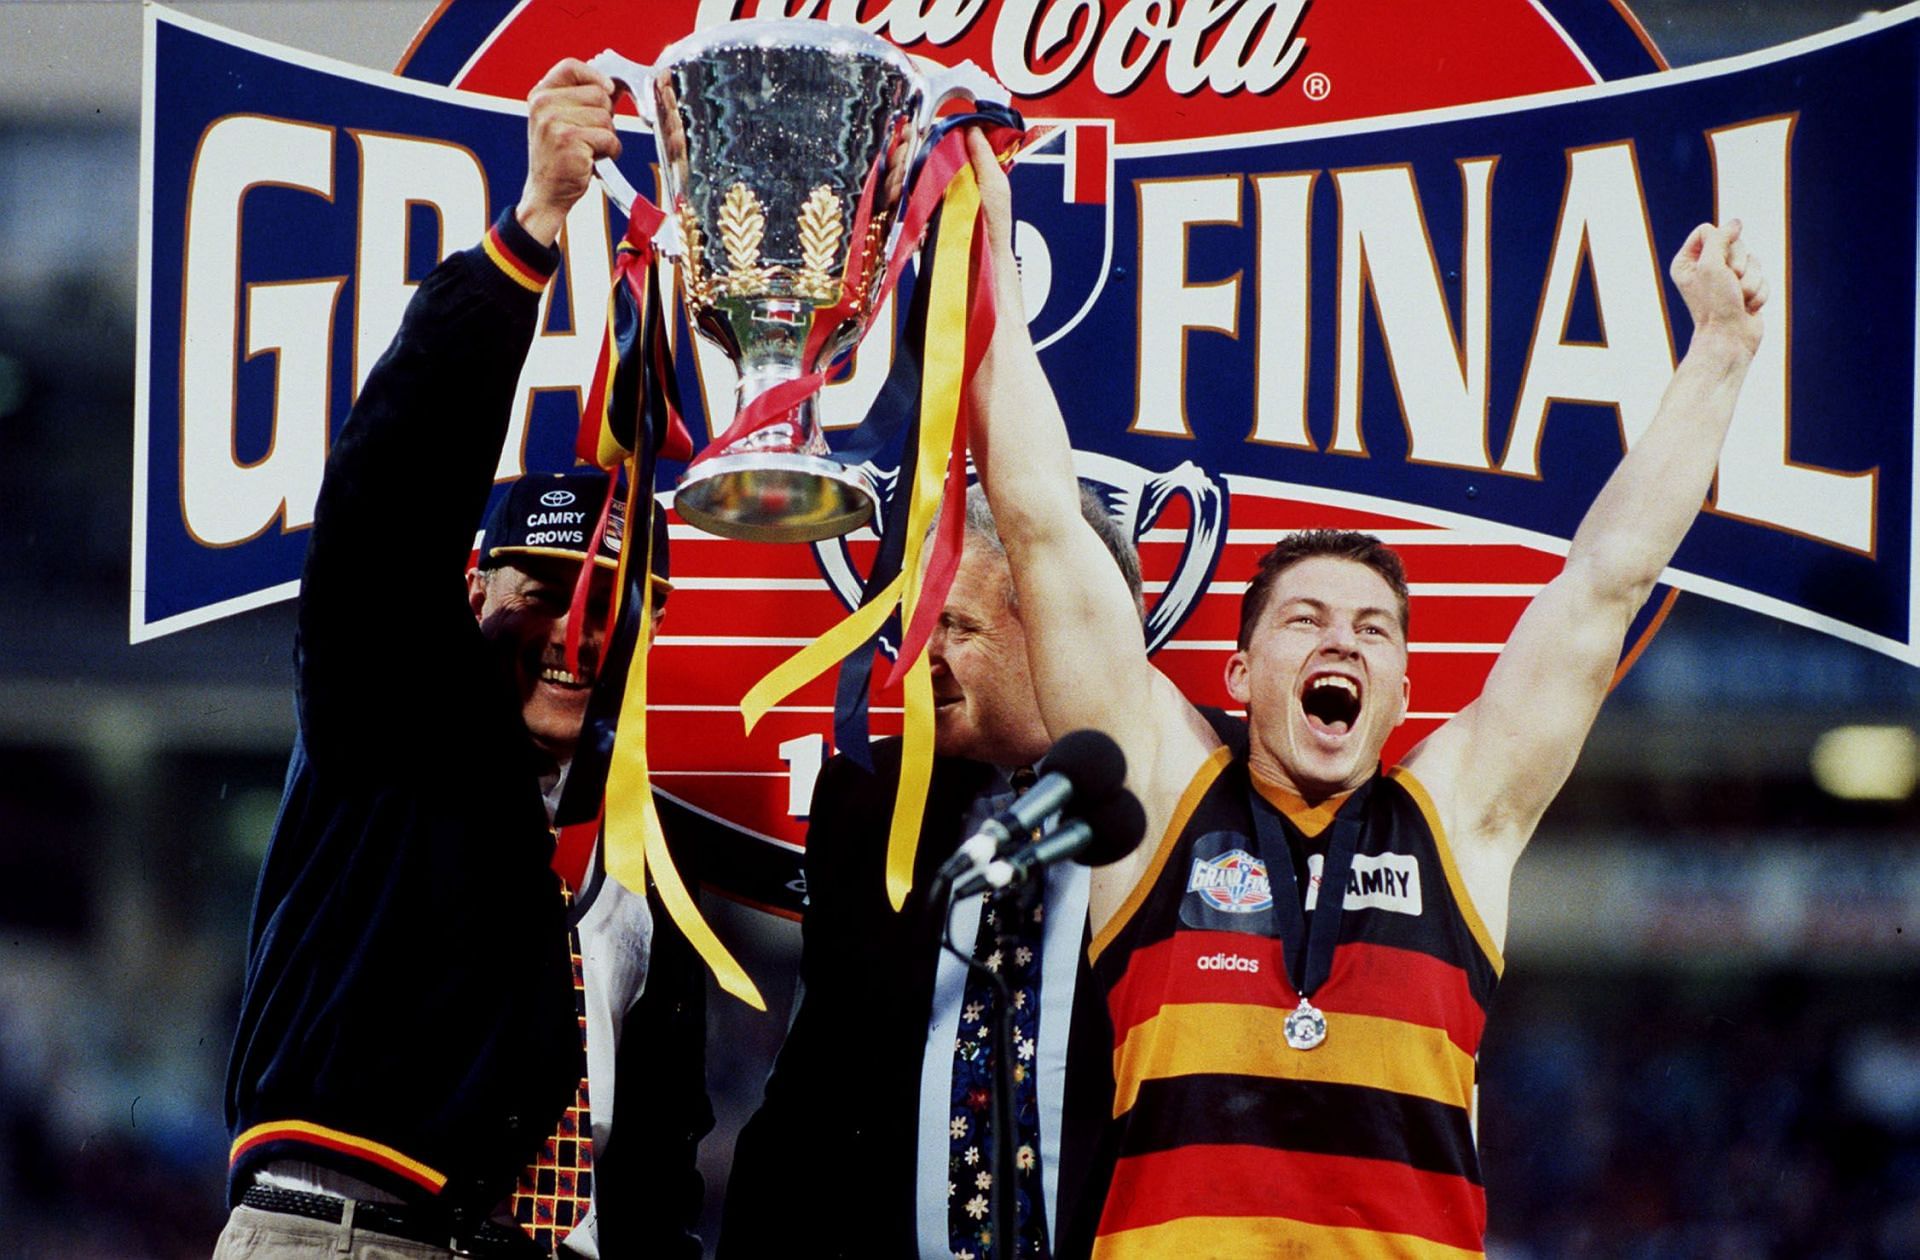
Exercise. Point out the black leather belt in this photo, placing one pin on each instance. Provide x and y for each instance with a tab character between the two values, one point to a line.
399	1220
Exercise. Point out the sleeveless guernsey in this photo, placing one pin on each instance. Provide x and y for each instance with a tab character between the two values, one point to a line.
1228	1142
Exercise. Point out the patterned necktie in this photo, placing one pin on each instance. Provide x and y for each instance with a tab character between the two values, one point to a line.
1009	944
555	1189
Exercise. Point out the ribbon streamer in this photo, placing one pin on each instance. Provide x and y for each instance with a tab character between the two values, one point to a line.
944	562
632	418
942	389
633	834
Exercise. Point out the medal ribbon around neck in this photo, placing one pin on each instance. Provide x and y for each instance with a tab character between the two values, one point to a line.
1307	945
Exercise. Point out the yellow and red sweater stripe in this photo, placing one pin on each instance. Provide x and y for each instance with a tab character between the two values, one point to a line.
522	272
309	1134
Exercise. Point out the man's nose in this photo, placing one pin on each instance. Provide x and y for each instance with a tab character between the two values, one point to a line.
592	631
1339	638
937	652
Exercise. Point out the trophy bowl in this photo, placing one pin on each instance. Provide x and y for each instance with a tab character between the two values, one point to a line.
773	134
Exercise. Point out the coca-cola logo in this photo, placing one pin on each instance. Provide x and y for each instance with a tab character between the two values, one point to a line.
1039	46
1251	333
1162	69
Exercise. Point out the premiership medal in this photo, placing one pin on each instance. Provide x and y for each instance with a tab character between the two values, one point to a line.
1306	1027
1308	943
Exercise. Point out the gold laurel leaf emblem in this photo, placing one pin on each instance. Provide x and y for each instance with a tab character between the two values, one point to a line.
693	270
743	225
820	231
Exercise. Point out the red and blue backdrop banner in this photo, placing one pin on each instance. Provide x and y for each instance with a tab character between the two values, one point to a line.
1383	265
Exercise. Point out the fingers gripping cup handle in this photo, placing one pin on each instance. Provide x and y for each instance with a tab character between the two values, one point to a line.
636	81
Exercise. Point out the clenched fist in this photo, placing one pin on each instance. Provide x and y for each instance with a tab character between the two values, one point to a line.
569	127
1722	284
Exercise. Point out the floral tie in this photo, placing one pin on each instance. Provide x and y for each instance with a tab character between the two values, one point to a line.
1009	944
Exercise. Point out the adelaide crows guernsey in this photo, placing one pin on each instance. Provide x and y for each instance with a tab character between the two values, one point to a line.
1228	1141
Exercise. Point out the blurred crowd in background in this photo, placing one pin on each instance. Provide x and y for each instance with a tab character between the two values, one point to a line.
1706	1044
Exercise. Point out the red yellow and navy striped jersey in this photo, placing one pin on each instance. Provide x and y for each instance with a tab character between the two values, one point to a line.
1227	1142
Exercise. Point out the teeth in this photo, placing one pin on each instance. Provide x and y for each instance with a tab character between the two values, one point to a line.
1334	681
562	677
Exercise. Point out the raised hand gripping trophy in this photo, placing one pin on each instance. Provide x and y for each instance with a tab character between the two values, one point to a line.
785	147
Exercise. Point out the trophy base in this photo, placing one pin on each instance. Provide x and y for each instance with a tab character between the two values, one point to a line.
765	497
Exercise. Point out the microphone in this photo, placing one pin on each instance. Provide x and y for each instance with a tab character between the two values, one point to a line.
1111	830
1084	765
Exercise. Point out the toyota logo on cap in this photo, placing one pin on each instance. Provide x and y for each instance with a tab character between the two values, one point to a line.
556	498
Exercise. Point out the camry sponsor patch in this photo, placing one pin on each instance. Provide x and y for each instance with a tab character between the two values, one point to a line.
1235	882
1386	881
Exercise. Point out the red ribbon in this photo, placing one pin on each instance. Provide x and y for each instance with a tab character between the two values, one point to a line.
943	562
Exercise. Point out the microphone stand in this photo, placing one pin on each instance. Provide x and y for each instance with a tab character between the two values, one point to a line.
1001	1199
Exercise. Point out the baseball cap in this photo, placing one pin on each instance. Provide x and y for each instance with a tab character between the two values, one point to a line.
554	514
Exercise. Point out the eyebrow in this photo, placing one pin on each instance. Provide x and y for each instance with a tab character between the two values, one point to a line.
1358	613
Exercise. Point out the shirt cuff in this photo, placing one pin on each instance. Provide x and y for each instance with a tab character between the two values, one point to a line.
524	260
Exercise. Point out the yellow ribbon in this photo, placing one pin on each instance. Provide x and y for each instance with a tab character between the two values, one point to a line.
633	834
940	386
818	656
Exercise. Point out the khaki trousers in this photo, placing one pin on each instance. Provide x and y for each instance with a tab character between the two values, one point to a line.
255	1235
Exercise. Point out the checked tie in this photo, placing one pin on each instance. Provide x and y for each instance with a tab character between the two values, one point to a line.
1009	944
554	1191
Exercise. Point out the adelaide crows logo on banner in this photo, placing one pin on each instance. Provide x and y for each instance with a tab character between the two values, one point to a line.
1395	266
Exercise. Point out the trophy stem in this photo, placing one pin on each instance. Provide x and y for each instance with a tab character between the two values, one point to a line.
778	483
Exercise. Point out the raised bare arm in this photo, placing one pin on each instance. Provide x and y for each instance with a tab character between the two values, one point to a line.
1090	665
1496	766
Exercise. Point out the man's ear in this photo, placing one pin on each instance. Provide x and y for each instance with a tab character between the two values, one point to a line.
1239	678
476	591
1406	699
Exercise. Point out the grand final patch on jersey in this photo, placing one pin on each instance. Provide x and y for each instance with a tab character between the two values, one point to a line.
1230	886
1235	882
1385	881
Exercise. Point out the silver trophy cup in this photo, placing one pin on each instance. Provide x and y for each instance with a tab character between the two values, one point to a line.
769	133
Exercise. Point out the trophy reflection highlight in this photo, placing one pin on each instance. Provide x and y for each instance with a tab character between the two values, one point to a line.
785	147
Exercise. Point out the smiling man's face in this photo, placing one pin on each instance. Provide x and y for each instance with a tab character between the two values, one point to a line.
984	703
523	609
1323	676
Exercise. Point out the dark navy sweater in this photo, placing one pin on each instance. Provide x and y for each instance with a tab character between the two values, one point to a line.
408	1014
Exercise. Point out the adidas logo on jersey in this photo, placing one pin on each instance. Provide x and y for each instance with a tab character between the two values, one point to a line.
1228	962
